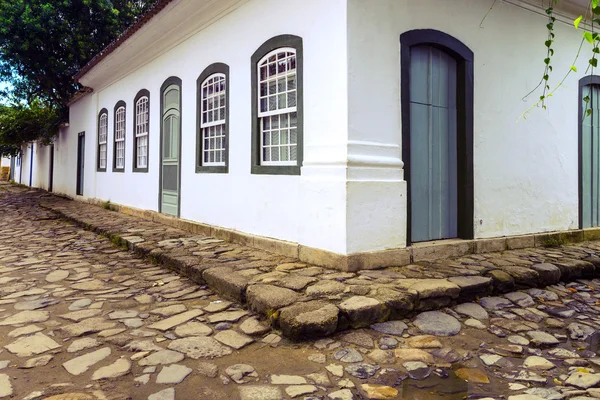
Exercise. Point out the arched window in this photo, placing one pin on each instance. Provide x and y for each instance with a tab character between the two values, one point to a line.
213	116
119	147
277	105
141	128
102	139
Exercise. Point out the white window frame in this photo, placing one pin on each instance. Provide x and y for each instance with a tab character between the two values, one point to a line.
141	130
279	111
120	137
217	124
102	141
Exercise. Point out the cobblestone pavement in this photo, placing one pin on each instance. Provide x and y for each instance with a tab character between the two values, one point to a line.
81	318
307	301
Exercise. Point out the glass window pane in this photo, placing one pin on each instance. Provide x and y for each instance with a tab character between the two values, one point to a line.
291	82
284	120
263	105
275	154
266	139
272	87
291	97
282	103
293	153
272	103
275	122
285	156
284	136
293	136
266	154
266	123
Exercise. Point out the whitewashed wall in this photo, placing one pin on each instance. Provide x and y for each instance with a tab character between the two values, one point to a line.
525	171
267	205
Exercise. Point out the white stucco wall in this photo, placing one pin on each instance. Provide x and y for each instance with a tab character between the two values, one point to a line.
525	171
266	205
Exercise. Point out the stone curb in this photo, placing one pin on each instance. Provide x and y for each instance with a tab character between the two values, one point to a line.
303	316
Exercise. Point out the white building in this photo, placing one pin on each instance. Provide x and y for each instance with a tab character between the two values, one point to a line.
338	127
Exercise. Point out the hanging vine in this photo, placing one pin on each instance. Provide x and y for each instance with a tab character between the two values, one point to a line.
591	18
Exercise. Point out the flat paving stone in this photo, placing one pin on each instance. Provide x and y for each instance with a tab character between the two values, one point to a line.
81	364
175	320
437	323
31	345
6	388
119	368
260	392
200	347
233	339
166	394
173	374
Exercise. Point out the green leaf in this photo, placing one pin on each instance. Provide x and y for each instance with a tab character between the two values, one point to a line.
573	68
551	51
588	112
596	10
548	43
586	99
588	37
547	60
550	26
594	3
594	62
542	98
577	21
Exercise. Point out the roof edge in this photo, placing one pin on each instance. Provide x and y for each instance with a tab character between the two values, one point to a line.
157	7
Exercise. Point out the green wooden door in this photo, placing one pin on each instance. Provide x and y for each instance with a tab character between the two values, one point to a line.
590	158
170	157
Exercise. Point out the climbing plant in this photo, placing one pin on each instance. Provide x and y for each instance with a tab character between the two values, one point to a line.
544	90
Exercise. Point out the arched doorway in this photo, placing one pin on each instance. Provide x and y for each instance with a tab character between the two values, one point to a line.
170	143
589	151
437	135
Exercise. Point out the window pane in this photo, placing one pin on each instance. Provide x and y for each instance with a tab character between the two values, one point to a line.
284	153
282	103
291	97
284	136
291	82
272	103
266	154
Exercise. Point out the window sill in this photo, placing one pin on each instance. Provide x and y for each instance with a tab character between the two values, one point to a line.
275	170
212	169
140	169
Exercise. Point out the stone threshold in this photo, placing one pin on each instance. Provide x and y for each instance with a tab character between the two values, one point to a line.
306	301
418	252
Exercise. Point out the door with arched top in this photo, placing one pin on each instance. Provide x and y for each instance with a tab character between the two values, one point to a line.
170	147
589	151
437	135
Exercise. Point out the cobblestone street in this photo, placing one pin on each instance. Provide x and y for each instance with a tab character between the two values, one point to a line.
82	318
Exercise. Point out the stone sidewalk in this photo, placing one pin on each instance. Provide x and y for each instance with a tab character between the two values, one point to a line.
82	319
309	301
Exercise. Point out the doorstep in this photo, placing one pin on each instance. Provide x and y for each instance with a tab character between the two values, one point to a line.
307	301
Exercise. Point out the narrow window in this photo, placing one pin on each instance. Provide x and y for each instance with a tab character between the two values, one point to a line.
141	128
213	115
277	105
119	156
102	138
